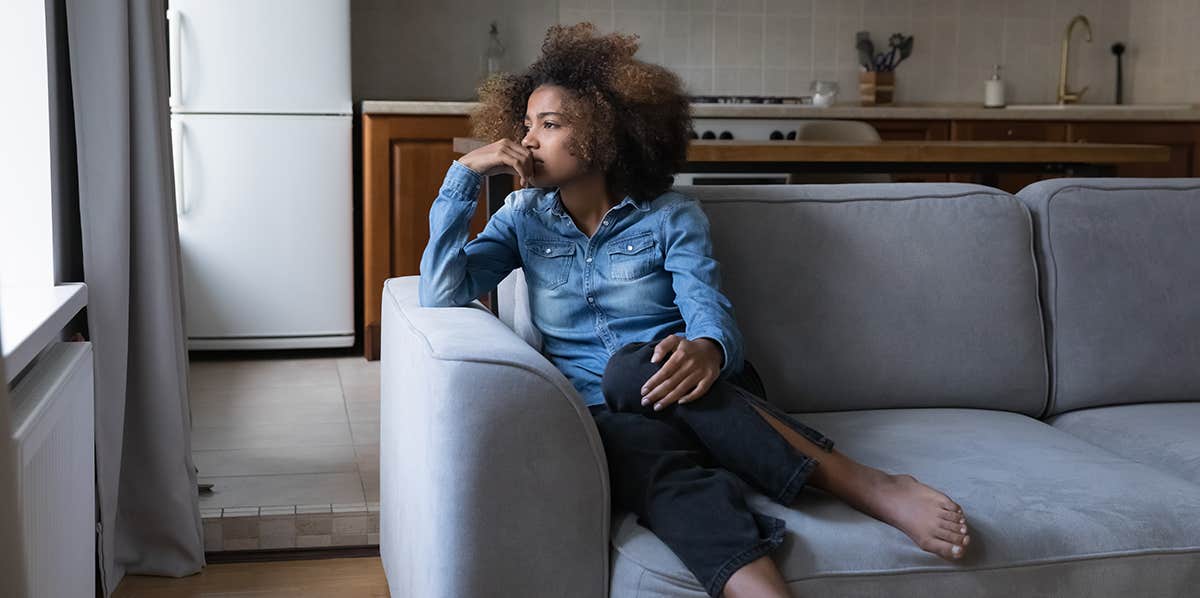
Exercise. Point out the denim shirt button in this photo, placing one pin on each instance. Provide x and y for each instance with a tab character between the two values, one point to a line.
629	248
547	250
591	300
589	260
604	223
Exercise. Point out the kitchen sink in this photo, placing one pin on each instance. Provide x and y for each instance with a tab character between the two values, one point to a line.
1099	106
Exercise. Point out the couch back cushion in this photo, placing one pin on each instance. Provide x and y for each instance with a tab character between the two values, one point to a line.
1120	266
870	296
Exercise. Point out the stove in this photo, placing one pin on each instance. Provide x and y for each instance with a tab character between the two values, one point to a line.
760	129
750	99
776	129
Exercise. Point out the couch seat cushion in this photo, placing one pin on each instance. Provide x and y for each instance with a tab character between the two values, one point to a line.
1049	513
1162	435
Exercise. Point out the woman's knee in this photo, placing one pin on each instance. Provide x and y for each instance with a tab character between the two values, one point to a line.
626	372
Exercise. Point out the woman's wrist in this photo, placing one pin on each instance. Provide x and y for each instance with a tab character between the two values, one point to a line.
469	166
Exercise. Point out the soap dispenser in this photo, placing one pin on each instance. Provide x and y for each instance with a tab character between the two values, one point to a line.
993	90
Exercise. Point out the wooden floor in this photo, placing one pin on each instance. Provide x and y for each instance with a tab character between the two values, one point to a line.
322	577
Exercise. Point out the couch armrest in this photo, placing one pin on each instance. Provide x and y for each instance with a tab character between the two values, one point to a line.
493	480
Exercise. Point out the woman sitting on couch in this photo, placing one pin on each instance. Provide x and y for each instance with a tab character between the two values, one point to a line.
626	294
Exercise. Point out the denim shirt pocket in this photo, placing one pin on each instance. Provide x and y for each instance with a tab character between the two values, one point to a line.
633	257
549	262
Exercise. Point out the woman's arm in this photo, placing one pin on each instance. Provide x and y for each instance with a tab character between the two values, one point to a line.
455	272
696	279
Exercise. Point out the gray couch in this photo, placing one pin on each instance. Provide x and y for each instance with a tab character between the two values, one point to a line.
1035	357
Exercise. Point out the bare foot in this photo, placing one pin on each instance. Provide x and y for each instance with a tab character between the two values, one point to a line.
936	523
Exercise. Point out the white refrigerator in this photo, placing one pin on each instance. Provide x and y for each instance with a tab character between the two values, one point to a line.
261	123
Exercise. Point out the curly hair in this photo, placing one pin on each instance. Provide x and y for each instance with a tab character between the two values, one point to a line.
630	118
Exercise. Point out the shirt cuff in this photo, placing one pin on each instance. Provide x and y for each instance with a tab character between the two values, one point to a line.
461	182
716	337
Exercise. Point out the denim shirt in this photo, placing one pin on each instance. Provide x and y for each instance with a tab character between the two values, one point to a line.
647	272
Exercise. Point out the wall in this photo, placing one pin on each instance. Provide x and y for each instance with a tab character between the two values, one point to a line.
1166	61
421	50
431	50
777	47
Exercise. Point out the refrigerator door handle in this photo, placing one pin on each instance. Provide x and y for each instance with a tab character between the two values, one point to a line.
174	19
181	206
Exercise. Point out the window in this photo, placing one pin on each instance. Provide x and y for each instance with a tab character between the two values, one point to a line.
26	233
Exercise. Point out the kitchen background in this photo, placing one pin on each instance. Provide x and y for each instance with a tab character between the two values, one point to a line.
287	445
434	50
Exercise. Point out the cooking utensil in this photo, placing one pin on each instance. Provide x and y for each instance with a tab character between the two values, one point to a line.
900	47
1118	49
906	48
862	42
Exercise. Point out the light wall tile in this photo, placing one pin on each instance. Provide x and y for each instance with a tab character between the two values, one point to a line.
799	43
750	40
956	44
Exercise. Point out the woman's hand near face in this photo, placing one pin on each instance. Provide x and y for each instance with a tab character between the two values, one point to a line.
504	156
688	373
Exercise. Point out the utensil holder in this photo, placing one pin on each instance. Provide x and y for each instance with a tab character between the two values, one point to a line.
875	87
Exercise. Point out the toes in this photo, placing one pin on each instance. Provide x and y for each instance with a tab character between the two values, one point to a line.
952	517
943	549
950	536
957	528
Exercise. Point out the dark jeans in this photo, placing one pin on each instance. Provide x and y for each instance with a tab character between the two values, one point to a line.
674	468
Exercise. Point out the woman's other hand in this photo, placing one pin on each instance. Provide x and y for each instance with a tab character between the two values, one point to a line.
504	156
690	369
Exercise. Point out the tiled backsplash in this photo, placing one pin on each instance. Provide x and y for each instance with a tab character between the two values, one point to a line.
777	47
1166	67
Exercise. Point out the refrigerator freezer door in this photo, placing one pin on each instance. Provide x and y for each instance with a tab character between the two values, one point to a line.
260	56
265	230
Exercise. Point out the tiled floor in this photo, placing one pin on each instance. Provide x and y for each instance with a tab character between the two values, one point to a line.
282	433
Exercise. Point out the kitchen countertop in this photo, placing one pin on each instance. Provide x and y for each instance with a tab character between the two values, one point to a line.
905	152
1096	112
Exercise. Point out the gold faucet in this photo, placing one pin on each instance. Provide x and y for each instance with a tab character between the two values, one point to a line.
1064	96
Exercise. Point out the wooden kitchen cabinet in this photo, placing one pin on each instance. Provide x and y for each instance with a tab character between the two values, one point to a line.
914	130
1182	138
405	158
999	130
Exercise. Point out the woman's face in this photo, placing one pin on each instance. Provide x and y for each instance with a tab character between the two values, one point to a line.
547	134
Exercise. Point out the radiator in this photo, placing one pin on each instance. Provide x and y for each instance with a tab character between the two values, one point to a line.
53	430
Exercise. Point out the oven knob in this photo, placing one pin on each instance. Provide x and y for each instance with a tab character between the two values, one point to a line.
776	136
726	135
791	135
708	135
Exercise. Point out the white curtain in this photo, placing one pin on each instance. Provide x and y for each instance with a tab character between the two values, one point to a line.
119	189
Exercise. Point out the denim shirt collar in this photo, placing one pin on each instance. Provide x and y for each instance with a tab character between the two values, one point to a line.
551	201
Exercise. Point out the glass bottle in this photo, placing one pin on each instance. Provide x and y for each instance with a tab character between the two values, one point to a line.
494	56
